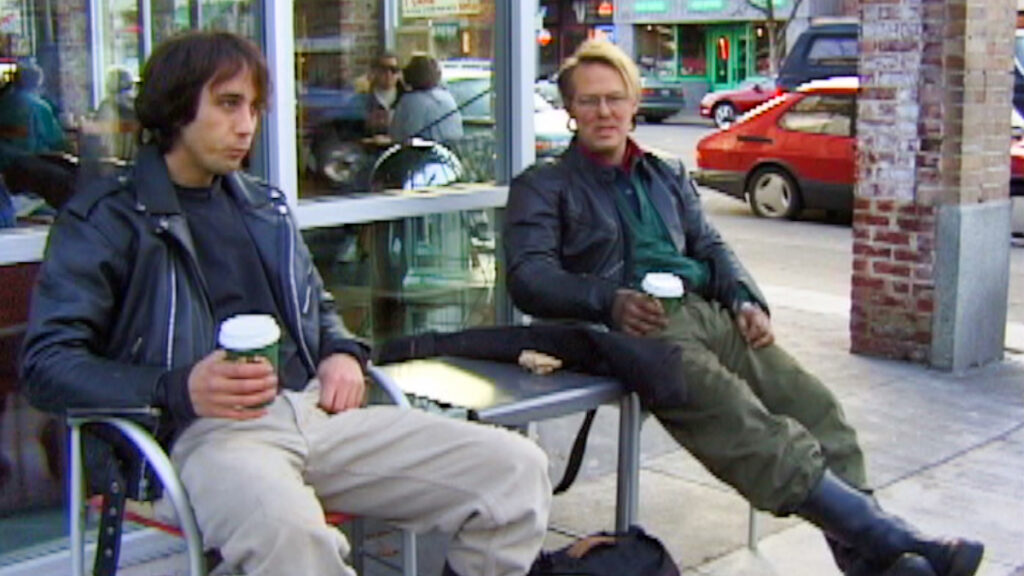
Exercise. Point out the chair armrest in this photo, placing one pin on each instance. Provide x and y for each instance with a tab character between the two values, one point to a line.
153	453
100	412
388	386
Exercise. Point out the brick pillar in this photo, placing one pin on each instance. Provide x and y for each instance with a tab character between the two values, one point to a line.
931	212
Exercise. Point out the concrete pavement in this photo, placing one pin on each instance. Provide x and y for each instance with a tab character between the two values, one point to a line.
945	451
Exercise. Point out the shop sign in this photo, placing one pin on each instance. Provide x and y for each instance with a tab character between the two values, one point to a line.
446	30
706	5
764	4
650	6
439	8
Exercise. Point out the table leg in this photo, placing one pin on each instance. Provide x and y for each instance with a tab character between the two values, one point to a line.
629	462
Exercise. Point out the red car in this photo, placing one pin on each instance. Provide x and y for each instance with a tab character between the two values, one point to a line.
1017	187
796	151
1017	168
723	106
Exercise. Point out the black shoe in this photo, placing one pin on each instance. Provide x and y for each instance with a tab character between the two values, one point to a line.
854	519
910	565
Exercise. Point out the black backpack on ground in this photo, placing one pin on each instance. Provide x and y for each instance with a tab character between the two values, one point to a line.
630	553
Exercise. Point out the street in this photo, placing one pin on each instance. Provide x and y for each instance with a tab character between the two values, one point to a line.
811	256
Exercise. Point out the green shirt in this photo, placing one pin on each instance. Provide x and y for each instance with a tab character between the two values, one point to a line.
652	246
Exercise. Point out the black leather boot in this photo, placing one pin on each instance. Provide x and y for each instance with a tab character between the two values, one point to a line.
910	565
881	539
851	563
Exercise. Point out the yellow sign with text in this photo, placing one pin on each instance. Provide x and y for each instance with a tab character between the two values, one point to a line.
439	8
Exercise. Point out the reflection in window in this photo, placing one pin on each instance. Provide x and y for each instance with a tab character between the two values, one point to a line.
337	45
692	51
829	115
656	51
837	50
409	276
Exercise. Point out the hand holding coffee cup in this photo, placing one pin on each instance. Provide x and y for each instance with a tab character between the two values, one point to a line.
666	287
249	337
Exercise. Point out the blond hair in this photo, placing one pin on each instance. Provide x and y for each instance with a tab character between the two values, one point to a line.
597	51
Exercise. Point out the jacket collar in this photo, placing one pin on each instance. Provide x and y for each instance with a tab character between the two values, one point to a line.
583	159
155	191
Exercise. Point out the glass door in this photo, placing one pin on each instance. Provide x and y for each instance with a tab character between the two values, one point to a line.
728	55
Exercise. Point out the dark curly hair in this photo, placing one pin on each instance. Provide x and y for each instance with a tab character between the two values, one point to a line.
177	72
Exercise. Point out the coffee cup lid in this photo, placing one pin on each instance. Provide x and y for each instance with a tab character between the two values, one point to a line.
248	332
662	285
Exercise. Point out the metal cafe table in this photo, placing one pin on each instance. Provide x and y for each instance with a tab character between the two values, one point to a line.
505	394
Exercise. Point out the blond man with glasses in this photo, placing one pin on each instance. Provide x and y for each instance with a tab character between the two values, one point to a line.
582	233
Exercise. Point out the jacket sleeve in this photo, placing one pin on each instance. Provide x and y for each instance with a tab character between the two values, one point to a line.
731	284
537	281
74	303
334	336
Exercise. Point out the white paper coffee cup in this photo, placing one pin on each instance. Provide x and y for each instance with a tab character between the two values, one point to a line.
246	337
666	287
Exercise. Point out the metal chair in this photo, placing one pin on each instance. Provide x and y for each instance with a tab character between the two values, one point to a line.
138	465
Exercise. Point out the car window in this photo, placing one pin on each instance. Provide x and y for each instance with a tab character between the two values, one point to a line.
821	114
476	89
833	50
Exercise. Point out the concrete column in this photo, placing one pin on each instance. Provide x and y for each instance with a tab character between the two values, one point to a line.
931	212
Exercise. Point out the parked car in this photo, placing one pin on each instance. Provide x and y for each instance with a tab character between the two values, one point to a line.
798	150
793	152
821	51
474	93
723	106
659	99
1017	181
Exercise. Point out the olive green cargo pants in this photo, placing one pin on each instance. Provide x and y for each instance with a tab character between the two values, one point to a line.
755	418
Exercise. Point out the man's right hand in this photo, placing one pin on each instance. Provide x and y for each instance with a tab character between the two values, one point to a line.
220	388
638	314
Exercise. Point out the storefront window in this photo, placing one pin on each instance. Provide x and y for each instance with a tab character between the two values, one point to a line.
692	51
336	46
656	51
432	272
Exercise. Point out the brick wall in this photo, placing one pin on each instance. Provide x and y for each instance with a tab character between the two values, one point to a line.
893	285
894	239
933	130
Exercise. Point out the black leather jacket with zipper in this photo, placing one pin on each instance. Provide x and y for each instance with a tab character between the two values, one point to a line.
566	246
120	312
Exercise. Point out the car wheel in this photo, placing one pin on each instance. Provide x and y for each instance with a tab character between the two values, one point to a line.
773	193
652	119
724	114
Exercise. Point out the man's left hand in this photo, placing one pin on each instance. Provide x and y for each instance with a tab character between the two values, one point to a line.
755	326
342	384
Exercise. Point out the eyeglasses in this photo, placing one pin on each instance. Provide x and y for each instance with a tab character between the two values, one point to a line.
592	102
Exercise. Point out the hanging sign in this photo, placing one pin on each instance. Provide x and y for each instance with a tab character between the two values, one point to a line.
439	8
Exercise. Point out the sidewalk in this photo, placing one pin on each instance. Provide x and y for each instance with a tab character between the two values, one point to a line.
944	451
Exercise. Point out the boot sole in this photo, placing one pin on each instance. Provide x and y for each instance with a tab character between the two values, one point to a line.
966	559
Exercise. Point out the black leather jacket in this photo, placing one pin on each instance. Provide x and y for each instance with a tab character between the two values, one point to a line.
121	305
565	243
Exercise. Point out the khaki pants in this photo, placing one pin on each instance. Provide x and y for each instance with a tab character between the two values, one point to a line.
755	418
259	487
